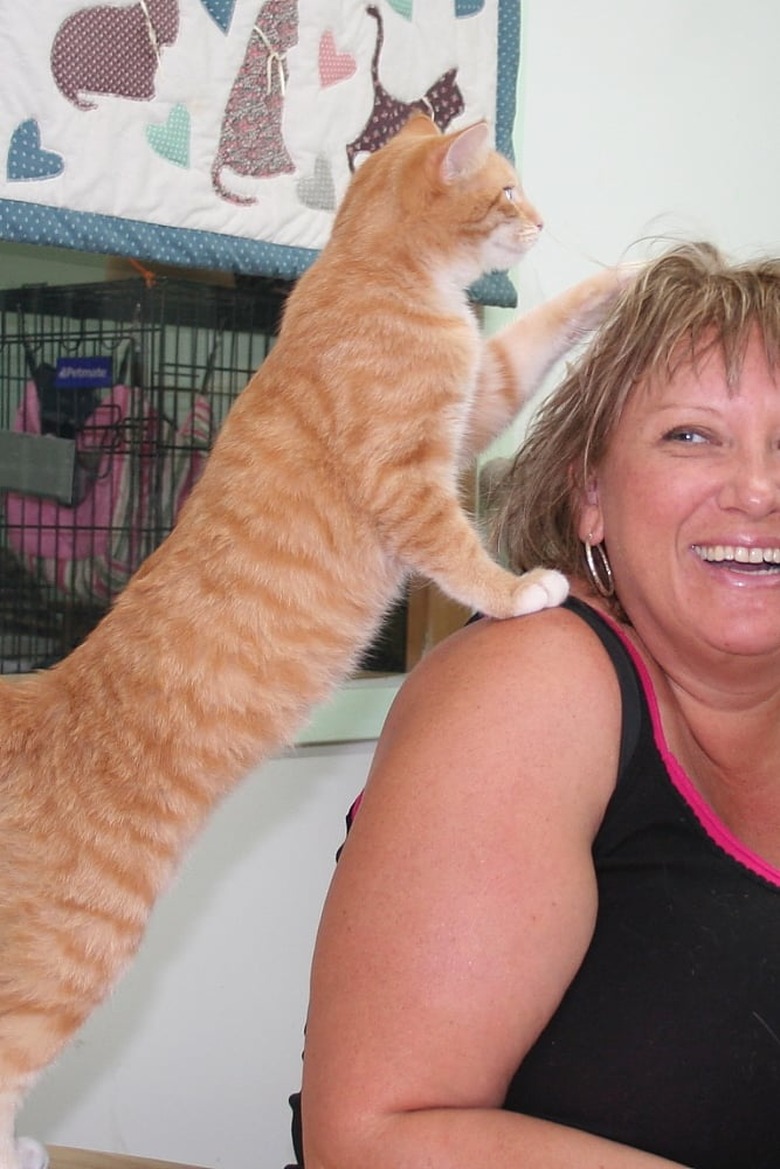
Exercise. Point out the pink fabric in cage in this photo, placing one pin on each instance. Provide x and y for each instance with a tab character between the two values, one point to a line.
48	529
91	549
165	483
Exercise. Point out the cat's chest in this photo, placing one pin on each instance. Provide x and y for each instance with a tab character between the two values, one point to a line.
461	348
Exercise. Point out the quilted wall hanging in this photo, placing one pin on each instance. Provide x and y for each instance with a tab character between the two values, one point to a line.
222	133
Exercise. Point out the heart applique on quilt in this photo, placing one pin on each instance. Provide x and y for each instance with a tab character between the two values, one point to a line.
317	189
334	66
171	139
220	11
27	159
403	7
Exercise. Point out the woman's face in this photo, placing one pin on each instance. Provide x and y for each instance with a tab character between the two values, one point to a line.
687	502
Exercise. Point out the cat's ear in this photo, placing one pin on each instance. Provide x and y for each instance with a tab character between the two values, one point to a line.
466	152
420	125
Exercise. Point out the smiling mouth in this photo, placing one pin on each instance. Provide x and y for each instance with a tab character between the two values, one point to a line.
743	558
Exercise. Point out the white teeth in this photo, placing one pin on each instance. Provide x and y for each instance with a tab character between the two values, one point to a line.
717	553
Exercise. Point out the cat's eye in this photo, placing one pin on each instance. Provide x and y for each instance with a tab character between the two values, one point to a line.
509	193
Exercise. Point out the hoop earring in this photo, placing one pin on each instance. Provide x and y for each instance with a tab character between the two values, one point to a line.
599	575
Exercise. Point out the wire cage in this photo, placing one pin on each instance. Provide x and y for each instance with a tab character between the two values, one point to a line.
111	395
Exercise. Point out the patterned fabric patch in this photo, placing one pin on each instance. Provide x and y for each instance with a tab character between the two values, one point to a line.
113	51
442	101
334	66
317	190
26	158
402	7
171	140
251	141
220	11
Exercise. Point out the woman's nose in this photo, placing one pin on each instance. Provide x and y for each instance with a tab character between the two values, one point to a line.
753	483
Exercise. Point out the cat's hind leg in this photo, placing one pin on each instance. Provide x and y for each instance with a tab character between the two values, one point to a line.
30	1154
17	1152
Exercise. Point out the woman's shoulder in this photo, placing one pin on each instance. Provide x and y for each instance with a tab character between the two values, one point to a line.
534	699
553	652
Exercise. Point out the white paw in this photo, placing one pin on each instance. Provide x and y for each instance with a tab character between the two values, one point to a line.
543	588
30	1154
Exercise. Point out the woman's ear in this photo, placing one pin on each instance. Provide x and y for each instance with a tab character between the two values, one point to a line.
590	525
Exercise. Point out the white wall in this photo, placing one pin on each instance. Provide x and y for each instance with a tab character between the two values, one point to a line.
638	119
648	119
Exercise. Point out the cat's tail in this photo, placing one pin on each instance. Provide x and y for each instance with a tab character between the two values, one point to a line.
222	191
372	10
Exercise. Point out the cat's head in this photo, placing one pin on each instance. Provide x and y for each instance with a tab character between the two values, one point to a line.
453	196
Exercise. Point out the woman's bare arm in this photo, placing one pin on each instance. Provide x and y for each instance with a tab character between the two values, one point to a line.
462	906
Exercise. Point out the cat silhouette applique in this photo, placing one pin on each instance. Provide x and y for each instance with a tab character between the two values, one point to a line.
442	102
113	51
251	142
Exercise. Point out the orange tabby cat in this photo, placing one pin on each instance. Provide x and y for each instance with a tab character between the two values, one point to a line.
333	477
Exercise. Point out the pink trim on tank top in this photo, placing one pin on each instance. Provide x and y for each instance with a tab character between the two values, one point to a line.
710	822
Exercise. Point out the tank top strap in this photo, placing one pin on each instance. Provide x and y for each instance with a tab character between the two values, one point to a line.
630	687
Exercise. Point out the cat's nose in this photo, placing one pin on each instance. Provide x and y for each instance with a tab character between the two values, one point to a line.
533	216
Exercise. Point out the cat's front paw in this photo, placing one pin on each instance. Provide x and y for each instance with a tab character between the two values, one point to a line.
596	295
30	1154
542	588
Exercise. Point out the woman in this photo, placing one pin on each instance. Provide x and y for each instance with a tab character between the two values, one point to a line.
553	937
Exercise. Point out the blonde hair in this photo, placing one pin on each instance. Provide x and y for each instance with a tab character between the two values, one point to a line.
679	307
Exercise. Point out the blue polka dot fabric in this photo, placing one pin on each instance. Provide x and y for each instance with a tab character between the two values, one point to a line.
221	134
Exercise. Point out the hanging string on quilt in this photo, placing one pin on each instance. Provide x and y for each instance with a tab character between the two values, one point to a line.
276	59
150	29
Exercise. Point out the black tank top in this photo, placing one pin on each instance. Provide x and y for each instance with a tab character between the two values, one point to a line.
668	1039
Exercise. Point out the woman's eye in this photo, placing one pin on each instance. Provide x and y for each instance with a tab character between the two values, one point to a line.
685	435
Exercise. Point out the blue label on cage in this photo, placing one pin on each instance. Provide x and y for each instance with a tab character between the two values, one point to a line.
80	373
